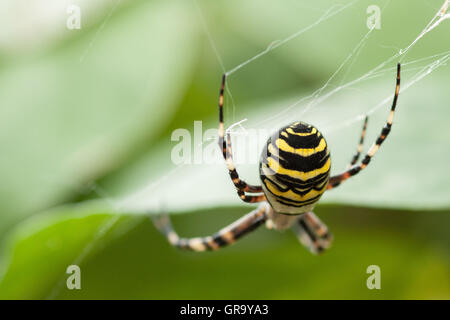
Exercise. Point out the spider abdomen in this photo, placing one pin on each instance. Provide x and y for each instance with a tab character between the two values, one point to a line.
295	168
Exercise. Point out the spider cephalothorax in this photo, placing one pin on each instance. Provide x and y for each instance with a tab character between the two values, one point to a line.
295	172
295	168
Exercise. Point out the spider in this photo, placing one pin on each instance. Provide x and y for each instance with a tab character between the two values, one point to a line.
295	172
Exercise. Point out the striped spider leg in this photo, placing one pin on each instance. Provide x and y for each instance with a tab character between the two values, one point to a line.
356	168
312	233
361	143
241	186
308	228
225	236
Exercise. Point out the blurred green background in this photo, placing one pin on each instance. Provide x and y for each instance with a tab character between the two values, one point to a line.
86	118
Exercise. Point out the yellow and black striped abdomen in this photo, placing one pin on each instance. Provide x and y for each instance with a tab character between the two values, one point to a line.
295	168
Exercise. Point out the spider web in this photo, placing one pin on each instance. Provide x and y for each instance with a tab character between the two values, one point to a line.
146	199
302	107
317	97
420	68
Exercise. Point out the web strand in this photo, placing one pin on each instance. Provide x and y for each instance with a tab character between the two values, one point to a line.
277	43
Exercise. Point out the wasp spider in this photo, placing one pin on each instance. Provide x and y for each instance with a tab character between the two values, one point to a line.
295	172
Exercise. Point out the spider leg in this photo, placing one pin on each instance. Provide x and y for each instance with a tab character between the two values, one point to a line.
338	179
361	143
312	233
225	236
241	185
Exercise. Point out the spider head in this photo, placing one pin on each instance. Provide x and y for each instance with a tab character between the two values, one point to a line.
295	168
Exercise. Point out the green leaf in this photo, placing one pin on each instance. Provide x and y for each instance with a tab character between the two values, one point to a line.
47	245
74	112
